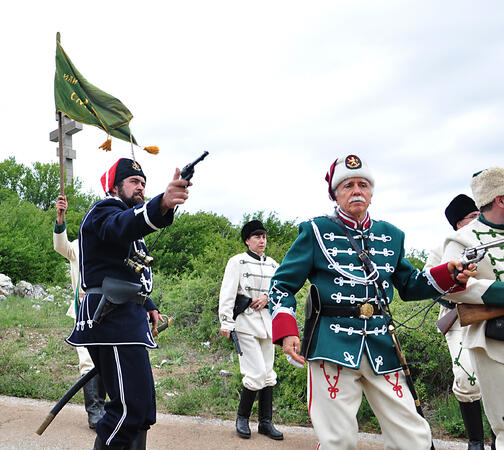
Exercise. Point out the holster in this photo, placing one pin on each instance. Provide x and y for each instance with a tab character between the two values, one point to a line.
494	328
312	314
117	292
242	302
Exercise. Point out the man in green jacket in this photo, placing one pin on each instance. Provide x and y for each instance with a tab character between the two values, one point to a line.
351	350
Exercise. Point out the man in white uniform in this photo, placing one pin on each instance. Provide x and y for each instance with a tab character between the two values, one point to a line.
486	353
94	391
248	275
460	212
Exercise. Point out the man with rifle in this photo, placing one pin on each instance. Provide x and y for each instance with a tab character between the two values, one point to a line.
460	212
243	310
485	338
113	318
353	263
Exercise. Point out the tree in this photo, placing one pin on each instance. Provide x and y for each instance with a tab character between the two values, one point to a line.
175	247
12	174
417	258
26	248
40	185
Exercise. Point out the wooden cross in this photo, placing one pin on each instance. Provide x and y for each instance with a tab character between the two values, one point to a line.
68	128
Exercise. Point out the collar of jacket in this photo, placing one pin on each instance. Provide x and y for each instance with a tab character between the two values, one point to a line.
490	224
256	256
351	222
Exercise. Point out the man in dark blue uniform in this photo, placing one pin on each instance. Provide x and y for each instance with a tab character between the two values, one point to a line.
113	318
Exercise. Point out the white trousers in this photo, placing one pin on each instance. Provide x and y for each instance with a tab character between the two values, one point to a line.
85	361
334	397
256	363
491	375
462	388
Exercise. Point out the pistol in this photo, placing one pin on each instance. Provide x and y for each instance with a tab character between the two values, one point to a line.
188	171
234	337
475	254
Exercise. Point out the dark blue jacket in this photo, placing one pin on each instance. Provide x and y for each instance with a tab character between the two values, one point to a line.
109	230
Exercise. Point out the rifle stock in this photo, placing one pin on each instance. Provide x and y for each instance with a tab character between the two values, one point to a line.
469	314
445	323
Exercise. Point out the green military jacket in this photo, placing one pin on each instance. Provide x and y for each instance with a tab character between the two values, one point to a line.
323	254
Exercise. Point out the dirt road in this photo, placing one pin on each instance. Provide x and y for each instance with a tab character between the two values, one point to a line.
20	418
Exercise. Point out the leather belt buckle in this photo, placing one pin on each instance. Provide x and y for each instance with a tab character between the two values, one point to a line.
366	311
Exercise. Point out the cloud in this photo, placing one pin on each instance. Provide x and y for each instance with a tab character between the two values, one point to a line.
275	91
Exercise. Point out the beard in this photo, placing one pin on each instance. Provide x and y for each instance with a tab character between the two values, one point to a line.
130	201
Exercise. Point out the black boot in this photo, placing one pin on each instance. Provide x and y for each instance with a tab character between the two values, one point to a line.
266	414
242	420
94	400
139	442
100	445
493	447
471	413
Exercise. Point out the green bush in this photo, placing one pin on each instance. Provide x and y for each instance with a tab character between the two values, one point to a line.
425	348
26	248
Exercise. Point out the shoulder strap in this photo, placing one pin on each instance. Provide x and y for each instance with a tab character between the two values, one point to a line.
362	254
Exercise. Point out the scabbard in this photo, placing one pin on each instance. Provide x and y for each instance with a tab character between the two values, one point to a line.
80	383
312	315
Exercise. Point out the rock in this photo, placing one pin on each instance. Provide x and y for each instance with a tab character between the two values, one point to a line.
25	289
49	298
6	286
39	291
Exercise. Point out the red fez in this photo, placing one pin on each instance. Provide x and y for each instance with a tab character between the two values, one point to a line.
123	168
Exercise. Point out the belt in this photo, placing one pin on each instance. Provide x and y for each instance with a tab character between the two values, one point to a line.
446	303
94	290
361	311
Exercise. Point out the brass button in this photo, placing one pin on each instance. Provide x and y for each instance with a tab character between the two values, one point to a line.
366	311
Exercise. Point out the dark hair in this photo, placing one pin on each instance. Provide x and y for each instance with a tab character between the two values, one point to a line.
487	207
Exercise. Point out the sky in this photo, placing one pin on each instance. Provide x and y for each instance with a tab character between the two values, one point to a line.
275	91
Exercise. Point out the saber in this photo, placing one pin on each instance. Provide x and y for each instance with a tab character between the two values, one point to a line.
81	382
405	367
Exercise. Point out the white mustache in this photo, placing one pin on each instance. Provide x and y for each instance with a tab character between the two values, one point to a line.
357	198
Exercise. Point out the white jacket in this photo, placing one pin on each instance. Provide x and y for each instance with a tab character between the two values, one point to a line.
69	250
250	276
490	271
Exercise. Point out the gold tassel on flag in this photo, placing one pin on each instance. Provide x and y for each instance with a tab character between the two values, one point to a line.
152	149
107	145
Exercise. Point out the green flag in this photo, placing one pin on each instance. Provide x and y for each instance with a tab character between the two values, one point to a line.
85	103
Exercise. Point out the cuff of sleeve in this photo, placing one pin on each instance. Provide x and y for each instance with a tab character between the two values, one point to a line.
494	295
284	325
58	229
442	279
149	304
154	216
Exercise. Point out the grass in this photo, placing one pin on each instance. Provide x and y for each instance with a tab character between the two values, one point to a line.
192	378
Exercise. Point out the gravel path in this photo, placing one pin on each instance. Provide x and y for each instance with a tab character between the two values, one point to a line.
20	418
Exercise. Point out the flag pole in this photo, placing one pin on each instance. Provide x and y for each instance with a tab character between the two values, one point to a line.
60	141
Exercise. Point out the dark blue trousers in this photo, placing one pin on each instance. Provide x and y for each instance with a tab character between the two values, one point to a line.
127	376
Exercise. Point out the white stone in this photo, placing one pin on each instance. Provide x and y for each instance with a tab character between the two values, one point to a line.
6	286
39	291
24	289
